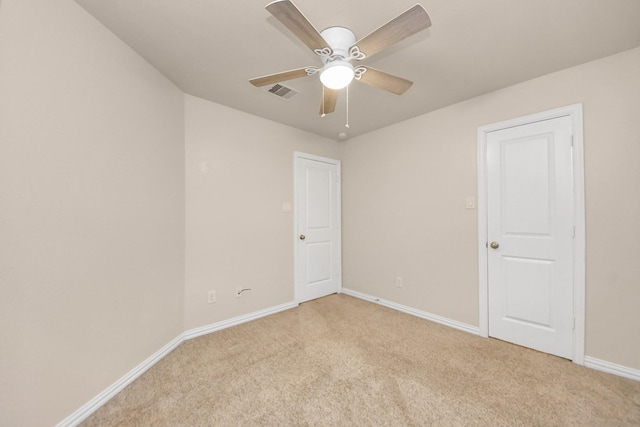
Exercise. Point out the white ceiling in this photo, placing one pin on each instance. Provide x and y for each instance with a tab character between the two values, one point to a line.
211	48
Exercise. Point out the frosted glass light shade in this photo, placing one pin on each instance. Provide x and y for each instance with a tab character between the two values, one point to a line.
337	75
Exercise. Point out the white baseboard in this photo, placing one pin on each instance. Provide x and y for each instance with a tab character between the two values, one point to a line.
589	362
194	333
415	312
90	407
612	368
94	404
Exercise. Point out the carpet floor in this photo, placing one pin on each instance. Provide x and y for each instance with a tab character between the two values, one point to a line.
340	361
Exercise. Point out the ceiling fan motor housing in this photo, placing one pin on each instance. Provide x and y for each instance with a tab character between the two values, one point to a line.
340	40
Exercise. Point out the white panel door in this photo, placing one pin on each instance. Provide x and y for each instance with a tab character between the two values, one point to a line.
318	247
530	235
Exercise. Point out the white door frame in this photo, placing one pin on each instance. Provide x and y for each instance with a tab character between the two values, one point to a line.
296	267
575	112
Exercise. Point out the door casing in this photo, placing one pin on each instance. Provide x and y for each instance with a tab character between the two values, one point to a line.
575	112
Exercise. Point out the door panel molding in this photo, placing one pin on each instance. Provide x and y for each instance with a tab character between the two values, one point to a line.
575	113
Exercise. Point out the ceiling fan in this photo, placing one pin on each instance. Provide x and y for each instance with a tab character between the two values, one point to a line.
337	48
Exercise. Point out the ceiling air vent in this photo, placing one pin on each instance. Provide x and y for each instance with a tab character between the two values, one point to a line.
282	92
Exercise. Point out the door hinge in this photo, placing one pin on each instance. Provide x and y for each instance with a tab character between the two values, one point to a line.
573	236
574	322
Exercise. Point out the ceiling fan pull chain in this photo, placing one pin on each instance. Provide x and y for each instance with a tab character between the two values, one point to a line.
347	124
323	114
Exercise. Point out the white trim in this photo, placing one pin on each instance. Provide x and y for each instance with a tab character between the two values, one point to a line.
612	368
589	362
579	243
301	155
296	269
575	112
414	312
235	321
94	404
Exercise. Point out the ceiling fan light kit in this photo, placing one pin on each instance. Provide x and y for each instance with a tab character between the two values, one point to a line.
337	74
337	48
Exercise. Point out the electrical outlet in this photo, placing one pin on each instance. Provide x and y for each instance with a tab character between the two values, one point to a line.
211	297
399	282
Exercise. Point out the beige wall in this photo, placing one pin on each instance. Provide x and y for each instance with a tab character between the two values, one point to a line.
239	171
91	210
404	190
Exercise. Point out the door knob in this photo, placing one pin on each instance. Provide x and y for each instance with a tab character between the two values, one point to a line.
494	245
302	237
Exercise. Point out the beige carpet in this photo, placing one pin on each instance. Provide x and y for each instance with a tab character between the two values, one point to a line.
340	361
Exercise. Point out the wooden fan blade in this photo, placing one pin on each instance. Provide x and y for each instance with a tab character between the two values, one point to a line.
329	99
287	13
279	77
384	81
404	25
